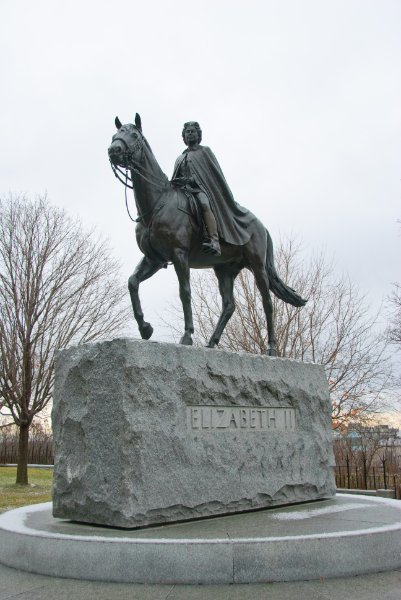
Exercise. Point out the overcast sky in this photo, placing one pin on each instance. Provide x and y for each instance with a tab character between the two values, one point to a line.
299	100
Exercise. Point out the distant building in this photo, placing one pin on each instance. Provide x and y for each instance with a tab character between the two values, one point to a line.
359	436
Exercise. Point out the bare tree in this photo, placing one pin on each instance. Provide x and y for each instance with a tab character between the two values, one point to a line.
335	328
394	303
394	312
363	446
58	285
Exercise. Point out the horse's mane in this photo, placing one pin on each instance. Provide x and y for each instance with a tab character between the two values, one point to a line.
151	160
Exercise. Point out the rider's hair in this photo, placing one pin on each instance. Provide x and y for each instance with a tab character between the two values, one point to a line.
197	127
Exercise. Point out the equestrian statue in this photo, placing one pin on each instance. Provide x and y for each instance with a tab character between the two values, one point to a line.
193	221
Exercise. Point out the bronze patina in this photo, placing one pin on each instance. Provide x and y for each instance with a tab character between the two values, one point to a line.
193	221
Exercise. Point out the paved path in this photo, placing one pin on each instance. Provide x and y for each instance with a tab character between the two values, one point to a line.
18	585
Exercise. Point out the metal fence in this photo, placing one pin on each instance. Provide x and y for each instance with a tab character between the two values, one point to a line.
385	476
40	452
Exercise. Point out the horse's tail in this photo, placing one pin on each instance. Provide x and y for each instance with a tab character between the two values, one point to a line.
277	285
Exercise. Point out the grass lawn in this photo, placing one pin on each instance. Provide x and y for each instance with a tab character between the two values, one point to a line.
38	489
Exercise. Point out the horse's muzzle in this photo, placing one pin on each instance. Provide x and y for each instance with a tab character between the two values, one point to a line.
116	152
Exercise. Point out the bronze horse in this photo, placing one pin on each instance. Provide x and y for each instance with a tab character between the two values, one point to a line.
168	230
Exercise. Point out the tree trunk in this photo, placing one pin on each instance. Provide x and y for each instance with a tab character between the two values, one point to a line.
22	467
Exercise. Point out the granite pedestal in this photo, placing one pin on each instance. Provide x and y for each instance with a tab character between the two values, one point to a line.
149	433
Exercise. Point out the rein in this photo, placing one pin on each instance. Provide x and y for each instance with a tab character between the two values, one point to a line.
129	182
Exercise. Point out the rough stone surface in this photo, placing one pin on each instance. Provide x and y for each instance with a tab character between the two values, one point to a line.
148	432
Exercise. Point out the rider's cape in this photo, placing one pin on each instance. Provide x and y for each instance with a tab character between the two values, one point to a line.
232	219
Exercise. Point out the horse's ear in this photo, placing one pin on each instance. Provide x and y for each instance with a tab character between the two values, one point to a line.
118	123
138	122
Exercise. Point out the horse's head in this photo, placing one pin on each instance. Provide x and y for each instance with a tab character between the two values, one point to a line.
127	144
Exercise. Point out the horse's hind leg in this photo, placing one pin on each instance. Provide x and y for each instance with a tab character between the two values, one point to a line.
262	282
226	275
145	269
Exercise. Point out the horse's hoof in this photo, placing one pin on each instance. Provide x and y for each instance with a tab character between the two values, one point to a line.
146	331
186	339
272	352
212	343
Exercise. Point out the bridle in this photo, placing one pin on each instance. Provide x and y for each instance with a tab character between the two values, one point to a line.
128	156
129	164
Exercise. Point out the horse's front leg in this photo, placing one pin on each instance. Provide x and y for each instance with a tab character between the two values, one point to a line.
145	269
181	267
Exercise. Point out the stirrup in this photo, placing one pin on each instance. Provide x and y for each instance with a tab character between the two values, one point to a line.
212	247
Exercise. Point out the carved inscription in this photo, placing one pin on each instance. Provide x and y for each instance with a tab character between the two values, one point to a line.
220	418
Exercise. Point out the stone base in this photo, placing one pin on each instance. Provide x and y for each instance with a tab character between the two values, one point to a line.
150	433
348	535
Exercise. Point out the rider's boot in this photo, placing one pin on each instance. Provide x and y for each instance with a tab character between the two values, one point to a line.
213	246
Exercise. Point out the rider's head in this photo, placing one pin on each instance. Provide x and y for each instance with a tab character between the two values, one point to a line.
189	128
